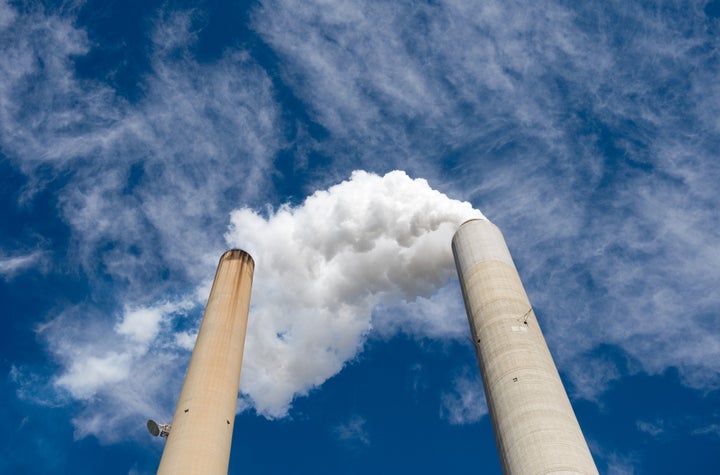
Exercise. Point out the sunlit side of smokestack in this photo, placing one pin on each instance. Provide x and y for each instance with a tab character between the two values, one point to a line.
535	427
201	433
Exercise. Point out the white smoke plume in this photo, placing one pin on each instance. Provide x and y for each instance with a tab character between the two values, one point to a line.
322	267
372	252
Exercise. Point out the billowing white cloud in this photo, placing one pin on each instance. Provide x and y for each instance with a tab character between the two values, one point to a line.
324	266
142	324
122	371
87	374
103	360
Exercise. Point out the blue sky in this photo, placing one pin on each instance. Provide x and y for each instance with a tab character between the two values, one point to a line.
341	143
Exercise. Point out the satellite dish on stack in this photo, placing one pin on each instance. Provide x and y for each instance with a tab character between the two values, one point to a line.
161	430
153	428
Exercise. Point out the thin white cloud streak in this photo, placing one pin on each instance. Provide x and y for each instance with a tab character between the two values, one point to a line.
353	431
321	269
616	463
709	429
12	265
653	428
619	465
466	403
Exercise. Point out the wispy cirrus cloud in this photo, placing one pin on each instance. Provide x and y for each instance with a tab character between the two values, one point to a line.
653	428
353	431
10	265
145	188
466	403
148	176
588	133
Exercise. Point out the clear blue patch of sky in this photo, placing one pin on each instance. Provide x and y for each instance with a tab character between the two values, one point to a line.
679	414
39	440
712	9
118	33
395	388
31	224
30	207
34	438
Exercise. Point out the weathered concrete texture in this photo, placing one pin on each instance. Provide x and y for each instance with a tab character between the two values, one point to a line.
201	433
536	430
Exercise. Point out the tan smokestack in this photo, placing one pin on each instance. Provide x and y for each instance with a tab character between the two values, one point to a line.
536	430
201	433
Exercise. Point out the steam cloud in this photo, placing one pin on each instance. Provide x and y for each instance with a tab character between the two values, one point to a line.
324	266
369	253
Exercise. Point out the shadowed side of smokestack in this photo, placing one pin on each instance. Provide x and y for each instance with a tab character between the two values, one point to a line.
535	427
201	434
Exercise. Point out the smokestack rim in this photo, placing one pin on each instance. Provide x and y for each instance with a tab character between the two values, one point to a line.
236	253
474	219
483	241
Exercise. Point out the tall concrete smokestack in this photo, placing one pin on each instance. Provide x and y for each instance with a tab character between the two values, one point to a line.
536	430
201	433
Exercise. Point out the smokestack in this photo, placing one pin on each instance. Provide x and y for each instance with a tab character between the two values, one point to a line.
201	433
536	430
